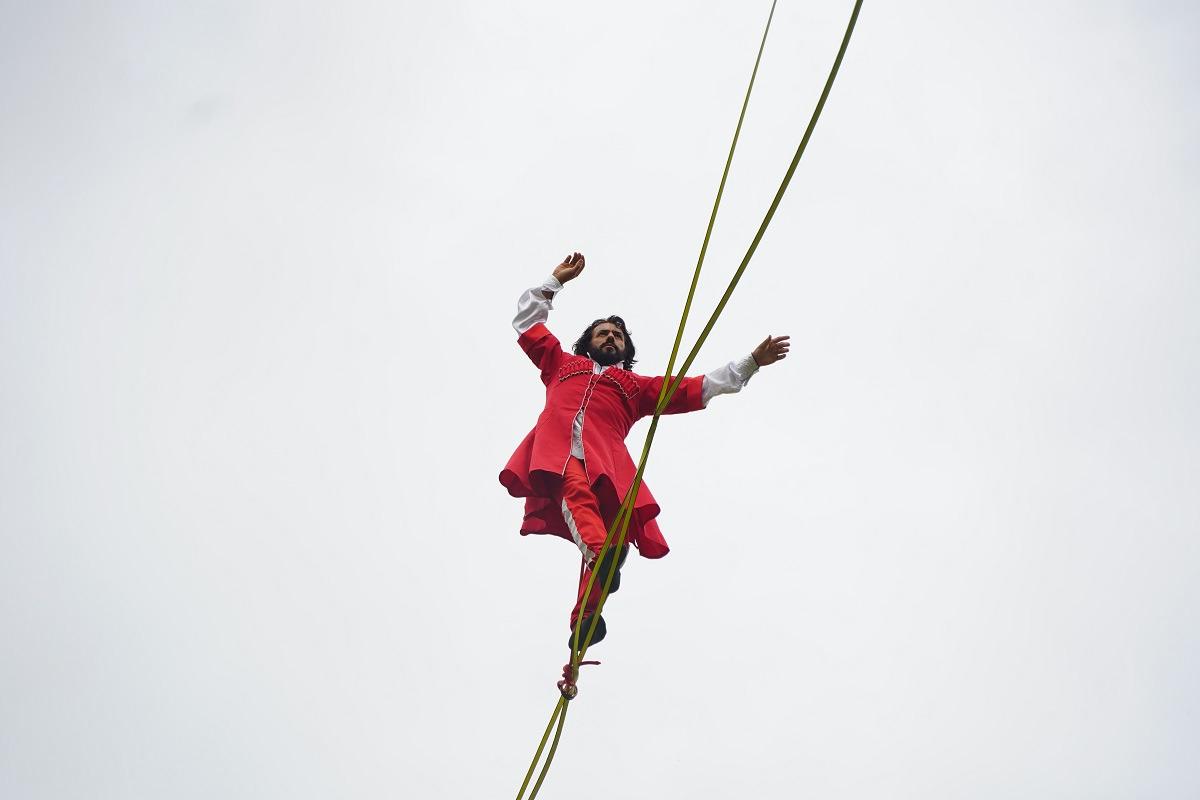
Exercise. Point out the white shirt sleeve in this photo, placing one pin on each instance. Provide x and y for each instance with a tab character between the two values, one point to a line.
534	306
728	379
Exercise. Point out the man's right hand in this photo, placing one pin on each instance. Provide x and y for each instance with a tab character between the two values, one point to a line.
570	268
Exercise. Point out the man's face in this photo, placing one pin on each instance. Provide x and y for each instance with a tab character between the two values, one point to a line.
607	346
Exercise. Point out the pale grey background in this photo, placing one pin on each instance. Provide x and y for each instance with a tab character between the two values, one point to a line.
257	266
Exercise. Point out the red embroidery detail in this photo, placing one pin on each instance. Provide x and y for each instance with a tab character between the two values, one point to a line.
582	365
624	381
574	365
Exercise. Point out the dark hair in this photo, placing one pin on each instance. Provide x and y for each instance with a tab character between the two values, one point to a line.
582	343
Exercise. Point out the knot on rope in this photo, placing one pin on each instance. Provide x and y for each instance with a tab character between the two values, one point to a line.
570	675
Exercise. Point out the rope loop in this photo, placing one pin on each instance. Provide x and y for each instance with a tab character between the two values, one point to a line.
570	675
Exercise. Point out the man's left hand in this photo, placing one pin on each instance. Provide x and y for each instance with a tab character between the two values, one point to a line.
772	349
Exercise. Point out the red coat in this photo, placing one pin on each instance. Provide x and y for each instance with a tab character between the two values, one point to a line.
612	402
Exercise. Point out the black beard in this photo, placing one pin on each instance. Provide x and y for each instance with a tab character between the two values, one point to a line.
605	358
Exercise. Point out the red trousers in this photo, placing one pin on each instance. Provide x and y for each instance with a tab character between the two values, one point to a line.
581	511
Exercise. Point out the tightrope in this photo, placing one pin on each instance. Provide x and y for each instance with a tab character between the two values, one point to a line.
620	524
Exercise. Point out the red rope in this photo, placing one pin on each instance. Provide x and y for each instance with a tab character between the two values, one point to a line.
570	674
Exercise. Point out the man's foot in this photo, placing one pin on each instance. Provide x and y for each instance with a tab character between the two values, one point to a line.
606	565
601	630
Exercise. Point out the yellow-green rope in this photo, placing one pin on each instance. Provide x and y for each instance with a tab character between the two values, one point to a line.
559	713
562	718
712	218
762	228
624	513
620	524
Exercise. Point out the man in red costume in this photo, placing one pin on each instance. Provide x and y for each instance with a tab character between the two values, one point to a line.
573	469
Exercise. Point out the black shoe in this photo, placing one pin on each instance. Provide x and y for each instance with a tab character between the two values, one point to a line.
605	566
601	630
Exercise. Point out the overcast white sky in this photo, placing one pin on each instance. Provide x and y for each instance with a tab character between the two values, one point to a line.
257	266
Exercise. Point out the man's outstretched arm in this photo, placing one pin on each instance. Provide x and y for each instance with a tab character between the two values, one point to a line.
535	304
533	309
694	393
731	378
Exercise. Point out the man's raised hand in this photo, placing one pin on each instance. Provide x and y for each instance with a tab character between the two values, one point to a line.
570	268
771	350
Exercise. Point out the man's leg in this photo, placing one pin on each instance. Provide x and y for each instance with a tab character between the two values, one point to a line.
581	511
593	599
